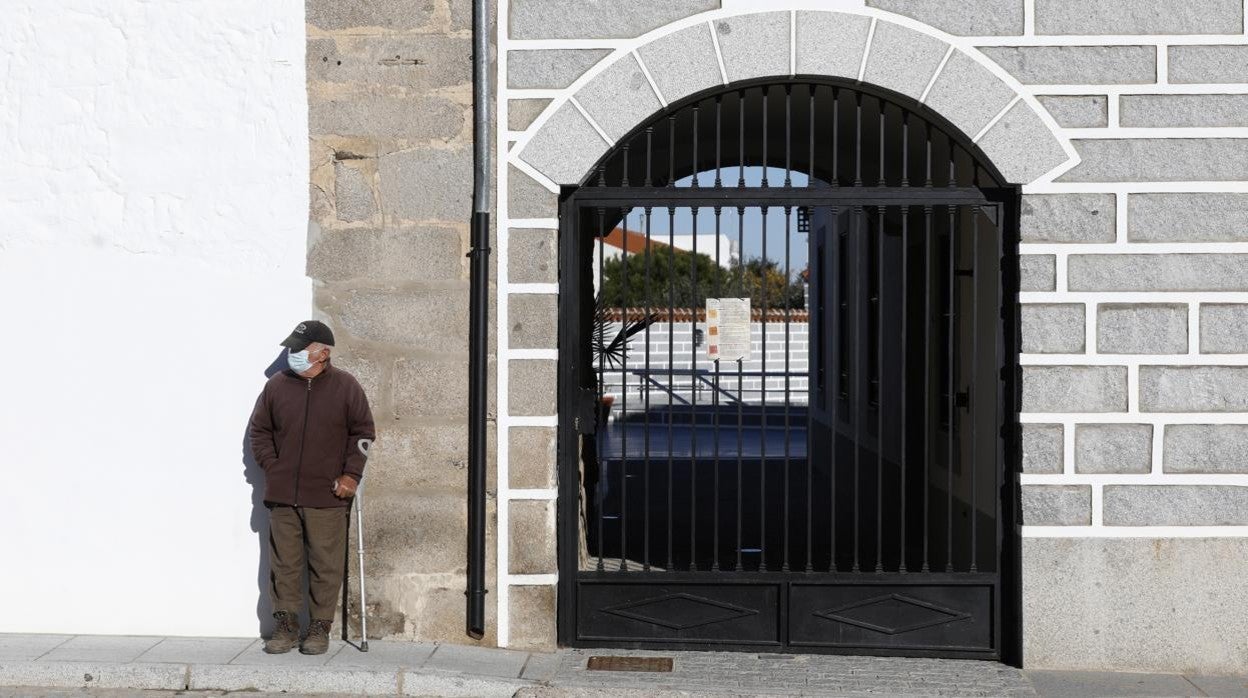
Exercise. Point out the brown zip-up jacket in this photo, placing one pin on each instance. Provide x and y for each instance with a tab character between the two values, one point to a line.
304	432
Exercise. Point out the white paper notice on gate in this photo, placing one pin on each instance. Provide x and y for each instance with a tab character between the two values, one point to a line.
728	328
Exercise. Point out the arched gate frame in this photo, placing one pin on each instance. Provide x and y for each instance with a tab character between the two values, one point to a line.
865	504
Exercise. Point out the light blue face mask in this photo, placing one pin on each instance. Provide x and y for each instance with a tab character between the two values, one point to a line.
298	361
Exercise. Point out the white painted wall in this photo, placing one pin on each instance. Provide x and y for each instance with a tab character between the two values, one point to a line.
154	204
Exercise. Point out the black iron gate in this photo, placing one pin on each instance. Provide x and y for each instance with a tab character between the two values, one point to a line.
786	383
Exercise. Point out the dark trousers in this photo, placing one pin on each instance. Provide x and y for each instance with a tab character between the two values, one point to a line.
315	539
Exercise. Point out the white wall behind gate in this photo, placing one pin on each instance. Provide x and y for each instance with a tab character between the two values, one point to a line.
154	204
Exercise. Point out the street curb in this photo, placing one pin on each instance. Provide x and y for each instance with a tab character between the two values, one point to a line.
242	677
168	677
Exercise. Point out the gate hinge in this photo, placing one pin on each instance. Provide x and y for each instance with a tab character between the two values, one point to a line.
586	419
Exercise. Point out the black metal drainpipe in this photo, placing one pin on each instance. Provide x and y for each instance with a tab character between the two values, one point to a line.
478	318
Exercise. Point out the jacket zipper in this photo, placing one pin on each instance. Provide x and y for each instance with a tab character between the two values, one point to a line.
303	437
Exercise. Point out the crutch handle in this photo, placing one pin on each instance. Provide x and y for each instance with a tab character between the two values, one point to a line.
364	445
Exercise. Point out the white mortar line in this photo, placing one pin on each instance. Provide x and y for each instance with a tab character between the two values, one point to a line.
792	43
535	223
538	289
1141	418
1163	64
936	75
538	44
1133	359
1101	479
1147	88
1137	248
1120	217
993	121
533	579
1193	329
502	454
517	420
1089	328
1068	449
1059	270
1169	133
1135	531
719	55
866	52
544	354
1029	17
533	92
1135	187
1106	40
1133	388
592	122
534	493
1098	504
1158	450
1113	109
650	79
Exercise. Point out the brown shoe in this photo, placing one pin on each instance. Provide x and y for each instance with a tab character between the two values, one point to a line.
285	634
317	641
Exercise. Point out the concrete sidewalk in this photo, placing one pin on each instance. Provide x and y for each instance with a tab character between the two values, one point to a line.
63	665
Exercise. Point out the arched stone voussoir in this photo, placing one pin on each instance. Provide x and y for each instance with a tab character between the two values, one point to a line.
683	62
1022	146
830	43
754	45
565	147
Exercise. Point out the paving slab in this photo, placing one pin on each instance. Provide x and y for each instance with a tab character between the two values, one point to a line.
1081	684
408	655
540	667
100	648
255	654
1223	686
478	660
455	685
28	647
196	650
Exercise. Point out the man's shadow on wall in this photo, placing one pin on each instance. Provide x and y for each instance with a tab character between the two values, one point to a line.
254	474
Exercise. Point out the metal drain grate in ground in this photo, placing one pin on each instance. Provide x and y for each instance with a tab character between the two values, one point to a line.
630	664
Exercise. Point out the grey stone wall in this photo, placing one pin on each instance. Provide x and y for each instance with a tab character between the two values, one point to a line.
390	119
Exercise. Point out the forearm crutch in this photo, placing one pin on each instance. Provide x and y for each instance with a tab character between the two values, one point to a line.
358	503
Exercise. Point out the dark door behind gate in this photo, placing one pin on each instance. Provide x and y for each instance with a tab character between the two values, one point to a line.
839	487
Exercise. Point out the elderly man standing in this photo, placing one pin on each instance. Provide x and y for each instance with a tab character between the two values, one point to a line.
303	433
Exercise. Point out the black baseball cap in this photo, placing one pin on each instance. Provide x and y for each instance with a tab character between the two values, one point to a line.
307	332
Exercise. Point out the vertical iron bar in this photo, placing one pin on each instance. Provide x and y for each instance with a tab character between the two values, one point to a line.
905	276
856	385
645	415
622	519
766	162
671	375
693	395
858	139
762	401
927	371
879	383
694	169
649	153
833	372
905	148
810	182
971	402
788	220
715	391
671	150
740	377
719	141
949	369
601	307
740	146
881	181
788	136
836	138
624	172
